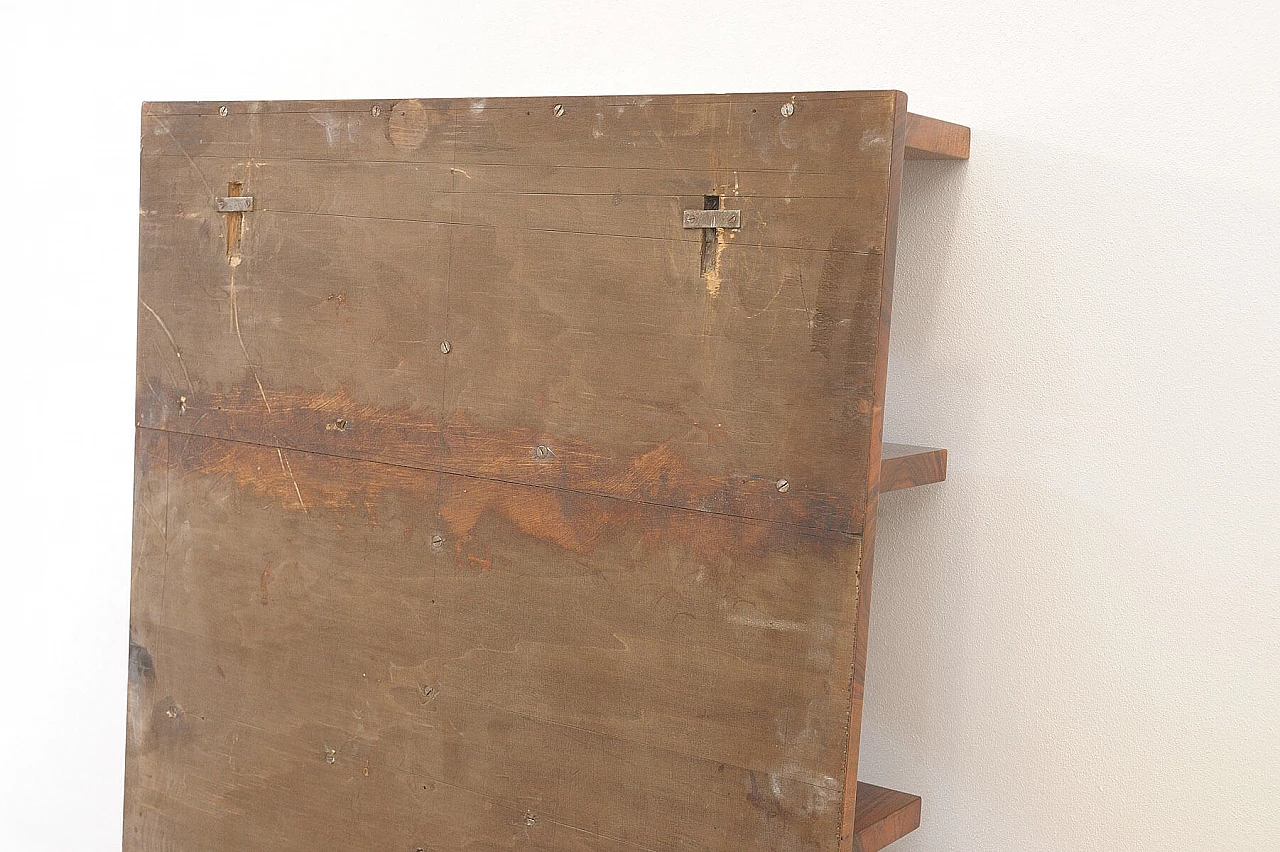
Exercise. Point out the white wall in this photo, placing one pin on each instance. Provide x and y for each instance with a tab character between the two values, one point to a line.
1075	641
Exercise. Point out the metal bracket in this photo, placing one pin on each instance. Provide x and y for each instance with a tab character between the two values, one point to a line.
235	204
713	218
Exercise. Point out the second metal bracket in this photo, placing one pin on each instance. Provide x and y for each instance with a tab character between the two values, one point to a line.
235	204
713	218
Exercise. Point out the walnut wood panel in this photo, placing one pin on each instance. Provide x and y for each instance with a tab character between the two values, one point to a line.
905	466
344	654
883	816
931	139
480	504
531	243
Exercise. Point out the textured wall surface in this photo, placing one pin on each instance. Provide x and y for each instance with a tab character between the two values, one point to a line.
1075	641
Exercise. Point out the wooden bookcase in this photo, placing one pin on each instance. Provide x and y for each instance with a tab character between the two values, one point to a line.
507	471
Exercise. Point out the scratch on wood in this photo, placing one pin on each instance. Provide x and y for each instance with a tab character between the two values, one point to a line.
235	325
191	161
172	342
288	471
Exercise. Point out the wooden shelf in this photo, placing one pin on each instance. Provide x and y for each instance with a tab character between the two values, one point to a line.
931	139
905	466
882	816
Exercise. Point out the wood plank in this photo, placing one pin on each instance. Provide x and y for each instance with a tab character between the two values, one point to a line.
878	373
664	133
883	816
324	331
932	139
479	504
906	466
660	677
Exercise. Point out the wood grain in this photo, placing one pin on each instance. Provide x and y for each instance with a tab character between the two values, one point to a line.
529	243
883	816
878	371
931	139
656	676
480	505
906	466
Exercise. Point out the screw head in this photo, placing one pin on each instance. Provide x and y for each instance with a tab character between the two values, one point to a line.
783	486
445	347
223	111
558	109
437	541
377	110
542	451
788	109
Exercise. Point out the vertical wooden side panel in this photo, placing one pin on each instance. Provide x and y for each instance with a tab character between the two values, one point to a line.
873	474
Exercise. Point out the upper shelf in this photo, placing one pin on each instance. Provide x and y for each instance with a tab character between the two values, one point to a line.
931	139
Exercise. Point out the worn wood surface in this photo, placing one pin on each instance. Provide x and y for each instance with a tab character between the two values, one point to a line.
479	504
906	466
321	644
531	243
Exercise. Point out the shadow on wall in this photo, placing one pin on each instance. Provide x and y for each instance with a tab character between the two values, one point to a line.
1067	324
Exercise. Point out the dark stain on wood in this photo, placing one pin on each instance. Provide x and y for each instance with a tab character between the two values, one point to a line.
141	668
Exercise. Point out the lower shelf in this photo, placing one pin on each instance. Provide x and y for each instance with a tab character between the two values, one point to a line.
881	816
905	466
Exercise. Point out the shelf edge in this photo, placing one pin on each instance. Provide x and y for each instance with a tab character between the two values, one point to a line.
932	139
883	816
